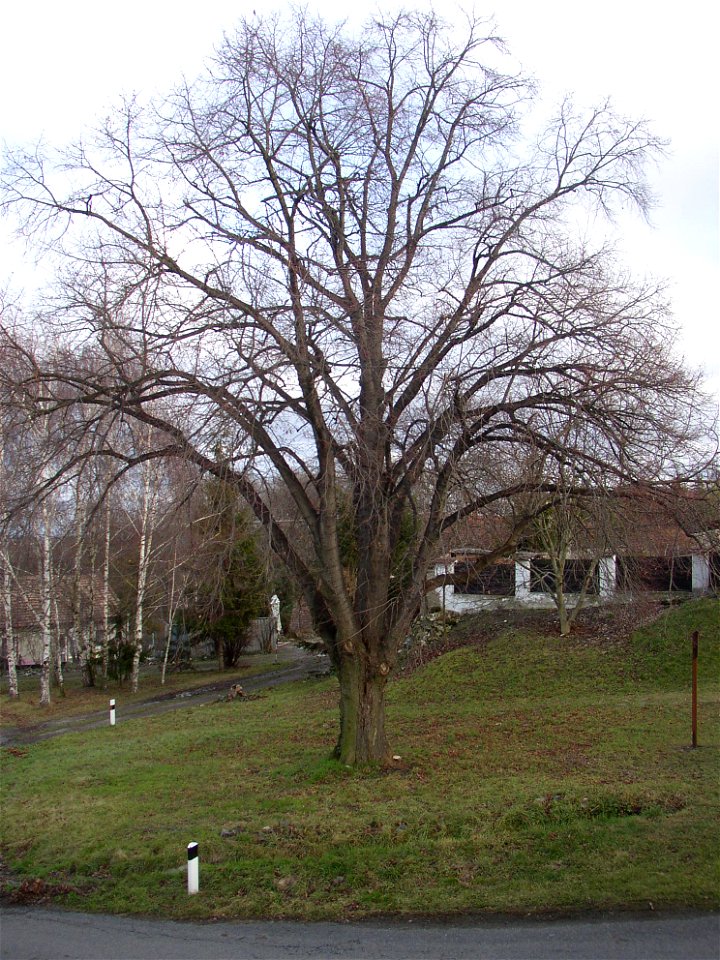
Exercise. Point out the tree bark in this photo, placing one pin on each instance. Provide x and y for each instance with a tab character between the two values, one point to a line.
146	535
82	639
106	595
57	671
562	612
362	712
172	606
558	594
139	610
46	608
10	641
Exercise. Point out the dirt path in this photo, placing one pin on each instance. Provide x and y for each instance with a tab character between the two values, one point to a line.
299	664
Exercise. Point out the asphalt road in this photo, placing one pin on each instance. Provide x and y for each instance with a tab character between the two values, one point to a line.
32	933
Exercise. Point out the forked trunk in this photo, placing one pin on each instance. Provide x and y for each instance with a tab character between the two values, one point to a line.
362	713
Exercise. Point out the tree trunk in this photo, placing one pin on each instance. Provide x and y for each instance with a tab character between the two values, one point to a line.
146	532
562	607
137	641
587	581
83	640
106	595
172	604
57	672
58	678
163	669
558	559
563	617
362	713
10	642
46	608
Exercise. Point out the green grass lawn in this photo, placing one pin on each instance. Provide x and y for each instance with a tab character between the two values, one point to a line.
537	774
78	699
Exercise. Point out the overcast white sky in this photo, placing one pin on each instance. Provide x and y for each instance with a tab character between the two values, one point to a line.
62	64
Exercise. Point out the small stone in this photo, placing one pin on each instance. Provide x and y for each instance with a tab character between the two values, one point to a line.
228	832
267	829
285	883
396	757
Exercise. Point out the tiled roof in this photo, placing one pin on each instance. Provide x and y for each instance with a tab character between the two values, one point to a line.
27	602
632	522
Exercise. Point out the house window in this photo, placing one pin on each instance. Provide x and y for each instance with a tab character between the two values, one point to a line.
495	580
575	573
661	574
542	578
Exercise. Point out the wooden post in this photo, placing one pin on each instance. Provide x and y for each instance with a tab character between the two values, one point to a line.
694	687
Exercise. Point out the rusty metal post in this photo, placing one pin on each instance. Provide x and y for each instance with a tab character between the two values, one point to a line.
695	637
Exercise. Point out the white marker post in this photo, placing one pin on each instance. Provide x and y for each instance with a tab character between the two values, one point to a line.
112	713
193	868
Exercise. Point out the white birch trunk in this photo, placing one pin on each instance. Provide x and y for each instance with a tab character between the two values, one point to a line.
81	641
171	618
146	530
106	596
57	647
46	608
10	641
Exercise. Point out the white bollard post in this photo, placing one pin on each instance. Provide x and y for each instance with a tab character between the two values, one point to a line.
193	868
112	713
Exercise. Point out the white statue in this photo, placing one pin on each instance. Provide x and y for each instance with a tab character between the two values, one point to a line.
275	611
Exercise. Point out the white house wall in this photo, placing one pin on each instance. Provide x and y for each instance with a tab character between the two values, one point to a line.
607	573
700	573
522	581
446	598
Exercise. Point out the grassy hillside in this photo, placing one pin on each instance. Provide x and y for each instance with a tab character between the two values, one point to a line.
535	774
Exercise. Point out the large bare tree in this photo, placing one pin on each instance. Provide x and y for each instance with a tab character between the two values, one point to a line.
340	259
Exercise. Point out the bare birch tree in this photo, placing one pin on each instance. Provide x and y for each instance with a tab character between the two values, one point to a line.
570	536
9	478
9	640
340	258
106	624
